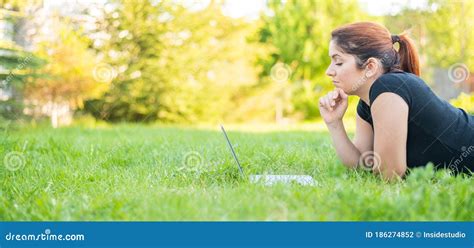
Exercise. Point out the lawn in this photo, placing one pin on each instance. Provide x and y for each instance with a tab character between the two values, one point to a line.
139	172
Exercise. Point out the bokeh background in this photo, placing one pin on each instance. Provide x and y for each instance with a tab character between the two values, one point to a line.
205	61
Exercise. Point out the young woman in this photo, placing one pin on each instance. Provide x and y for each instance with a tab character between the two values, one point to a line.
400	122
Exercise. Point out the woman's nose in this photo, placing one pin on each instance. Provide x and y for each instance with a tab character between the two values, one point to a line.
330	72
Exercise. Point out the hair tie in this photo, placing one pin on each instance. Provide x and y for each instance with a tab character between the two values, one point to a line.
395	38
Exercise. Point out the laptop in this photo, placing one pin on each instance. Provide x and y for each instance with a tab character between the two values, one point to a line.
269	179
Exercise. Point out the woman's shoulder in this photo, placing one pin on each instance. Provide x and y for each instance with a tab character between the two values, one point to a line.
398	78
401	83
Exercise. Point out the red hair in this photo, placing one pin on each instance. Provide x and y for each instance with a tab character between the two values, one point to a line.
367	40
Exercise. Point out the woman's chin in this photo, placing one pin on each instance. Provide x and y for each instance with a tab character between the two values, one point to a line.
338	86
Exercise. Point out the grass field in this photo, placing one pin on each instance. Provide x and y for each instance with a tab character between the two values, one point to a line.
137	172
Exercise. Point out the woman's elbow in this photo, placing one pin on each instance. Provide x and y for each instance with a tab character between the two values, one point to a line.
391	174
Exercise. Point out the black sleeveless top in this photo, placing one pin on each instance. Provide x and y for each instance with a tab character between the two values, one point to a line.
437	131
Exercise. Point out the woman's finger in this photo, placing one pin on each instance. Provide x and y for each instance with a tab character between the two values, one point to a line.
329	94
342	94
328	103
335	94
321	102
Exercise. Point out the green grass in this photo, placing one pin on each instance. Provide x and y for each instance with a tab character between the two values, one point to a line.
136	172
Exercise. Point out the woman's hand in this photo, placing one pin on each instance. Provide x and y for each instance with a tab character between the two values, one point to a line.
333	106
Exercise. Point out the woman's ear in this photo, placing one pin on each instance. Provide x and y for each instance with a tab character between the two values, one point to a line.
372	67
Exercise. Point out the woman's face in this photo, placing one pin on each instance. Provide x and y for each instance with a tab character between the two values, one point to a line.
343	70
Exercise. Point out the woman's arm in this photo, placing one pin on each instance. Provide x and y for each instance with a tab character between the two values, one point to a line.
345	149
364	135
332	108
350	152
390	116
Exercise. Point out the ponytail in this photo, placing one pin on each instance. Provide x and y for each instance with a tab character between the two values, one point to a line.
367	39
409	60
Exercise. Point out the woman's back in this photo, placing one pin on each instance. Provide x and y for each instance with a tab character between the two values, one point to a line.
437	131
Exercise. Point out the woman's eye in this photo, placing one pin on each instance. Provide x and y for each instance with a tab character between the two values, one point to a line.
339	64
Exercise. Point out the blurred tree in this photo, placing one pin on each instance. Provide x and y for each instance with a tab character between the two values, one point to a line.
442	30
16	64
450	37
70	68
173	64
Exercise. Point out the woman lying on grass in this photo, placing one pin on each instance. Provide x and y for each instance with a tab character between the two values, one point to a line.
400	122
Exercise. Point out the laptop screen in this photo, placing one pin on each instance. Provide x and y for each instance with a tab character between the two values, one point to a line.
232	150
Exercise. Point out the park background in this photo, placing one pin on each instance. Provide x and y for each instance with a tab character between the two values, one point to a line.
110	109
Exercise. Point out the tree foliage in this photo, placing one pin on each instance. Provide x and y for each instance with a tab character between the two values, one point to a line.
172	64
